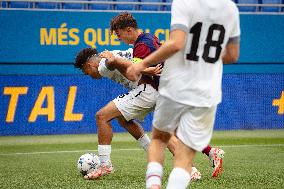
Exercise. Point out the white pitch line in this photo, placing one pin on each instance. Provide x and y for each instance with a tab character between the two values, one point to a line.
71	151
135	149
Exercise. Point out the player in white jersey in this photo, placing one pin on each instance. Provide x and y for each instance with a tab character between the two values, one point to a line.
135	104
204	35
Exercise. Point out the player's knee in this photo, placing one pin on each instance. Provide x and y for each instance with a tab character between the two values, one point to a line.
101	116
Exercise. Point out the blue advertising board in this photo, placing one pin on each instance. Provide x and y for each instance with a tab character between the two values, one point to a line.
56	36
36	105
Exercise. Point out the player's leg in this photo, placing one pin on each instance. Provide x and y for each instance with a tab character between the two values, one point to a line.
103	118
181	173
172	146
132	127
215	156
136	130
156	158
194	131
136	104
166	116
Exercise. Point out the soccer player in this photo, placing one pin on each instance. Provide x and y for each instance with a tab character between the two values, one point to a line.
126	28
135	104
204	35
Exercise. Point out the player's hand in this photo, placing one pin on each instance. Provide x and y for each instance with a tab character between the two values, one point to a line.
134	71
153	71
107	55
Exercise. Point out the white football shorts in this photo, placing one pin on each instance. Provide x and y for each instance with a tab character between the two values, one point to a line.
192	125
137	103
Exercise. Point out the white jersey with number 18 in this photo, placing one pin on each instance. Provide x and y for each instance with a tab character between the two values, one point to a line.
193	76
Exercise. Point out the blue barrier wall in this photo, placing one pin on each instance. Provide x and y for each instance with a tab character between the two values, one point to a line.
56	36
32	105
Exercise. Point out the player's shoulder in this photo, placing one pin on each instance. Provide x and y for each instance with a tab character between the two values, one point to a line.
145	40
116	52
145	37
123	53
232	5
228	7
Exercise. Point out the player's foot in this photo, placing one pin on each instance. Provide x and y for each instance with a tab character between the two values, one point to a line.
216	155
104	169
195	175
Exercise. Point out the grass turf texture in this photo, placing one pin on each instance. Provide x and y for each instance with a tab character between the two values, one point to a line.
253	159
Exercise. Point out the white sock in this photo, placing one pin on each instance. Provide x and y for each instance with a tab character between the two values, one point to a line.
144	142
104	153
154	174
178	179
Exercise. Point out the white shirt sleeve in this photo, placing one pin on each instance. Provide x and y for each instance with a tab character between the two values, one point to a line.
180	15
103	70
236	31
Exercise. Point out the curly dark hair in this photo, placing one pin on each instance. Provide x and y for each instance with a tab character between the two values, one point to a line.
83	56
122	21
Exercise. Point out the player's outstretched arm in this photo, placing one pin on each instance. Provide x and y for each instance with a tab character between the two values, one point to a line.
115	62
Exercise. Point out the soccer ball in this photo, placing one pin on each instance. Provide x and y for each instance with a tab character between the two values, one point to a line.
88	163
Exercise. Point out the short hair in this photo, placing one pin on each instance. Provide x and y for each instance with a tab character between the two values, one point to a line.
122	21
83	56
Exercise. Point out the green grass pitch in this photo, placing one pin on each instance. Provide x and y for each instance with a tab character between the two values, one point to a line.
253	159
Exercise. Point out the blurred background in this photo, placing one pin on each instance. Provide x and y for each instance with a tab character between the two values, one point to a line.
42	93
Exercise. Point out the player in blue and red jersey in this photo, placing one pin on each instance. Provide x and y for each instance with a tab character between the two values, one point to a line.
144	45
126	28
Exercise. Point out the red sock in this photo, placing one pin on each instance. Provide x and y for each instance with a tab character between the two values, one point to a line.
206	150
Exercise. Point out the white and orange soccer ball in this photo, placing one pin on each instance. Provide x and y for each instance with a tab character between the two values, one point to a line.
88	163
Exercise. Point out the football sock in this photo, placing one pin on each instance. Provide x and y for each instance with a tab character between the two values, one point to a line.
144	142
154	174
178	179
207	150
104	153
